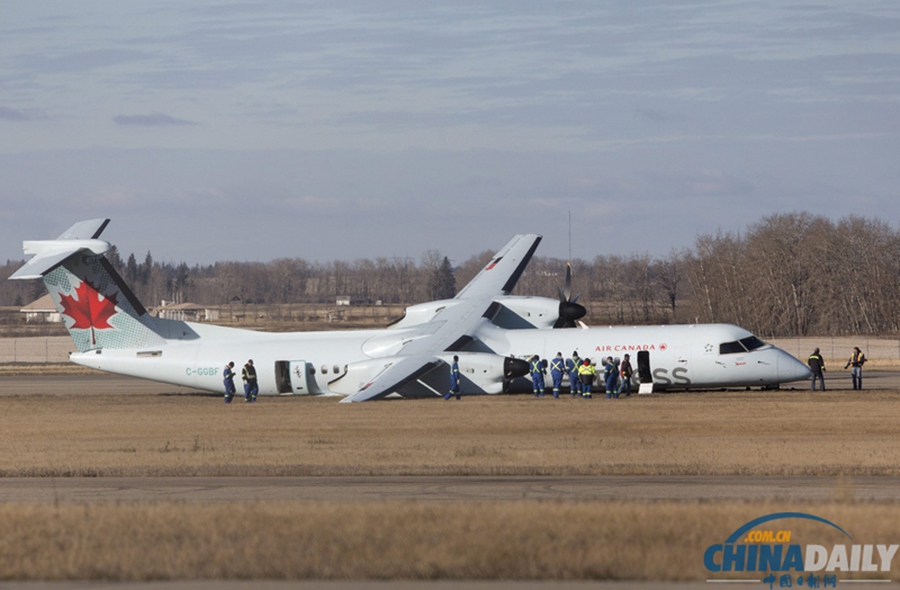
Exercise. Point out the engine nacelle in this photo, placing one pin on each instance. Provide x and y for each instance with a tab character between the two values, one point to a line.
526	312
510	312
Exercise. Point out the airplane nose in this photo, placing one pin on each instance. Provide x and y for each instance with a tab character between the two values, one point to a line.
790	369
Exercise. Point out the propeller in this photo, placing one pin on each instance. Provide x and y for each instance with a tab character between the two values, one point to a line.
569	309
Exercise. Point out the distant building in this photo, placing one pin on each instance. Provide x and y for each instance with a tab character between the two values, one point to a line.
41	310
186	312
343	300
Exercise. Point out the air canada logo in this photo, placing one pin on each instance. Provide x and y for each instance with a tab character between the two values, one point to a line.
760	551
88	309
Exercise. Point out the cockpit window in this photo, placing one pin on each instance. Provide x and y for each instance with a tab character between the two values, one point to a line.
752	343
731	348
743	345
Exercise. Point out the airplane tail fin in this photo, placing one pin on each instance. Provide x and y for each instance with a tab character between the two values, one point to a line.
98	308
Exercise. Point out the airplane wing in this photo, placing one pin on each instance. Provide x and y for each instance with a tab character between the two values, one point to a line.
454	324
503	271
458	320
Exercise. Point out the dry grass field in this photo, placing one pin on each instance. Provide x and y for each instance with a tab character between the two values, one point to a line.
708	433
514	540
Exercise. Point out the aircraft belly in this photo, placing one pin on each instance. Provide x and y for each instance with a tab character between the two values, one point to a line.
151	365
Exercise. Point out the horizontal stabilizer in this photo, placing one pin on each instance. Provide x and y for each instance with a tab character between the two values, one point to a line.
394	377
48	254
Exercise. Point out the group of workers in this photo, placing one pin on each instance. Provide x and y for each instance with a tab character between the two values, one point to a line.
854	363
248	376
582	373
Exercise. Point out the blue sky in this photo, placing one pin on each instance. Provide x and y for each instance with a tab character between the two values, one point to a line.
339	130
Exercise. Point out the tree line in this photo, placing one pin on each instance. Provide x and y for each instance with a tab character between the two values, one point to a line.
786	275
800	274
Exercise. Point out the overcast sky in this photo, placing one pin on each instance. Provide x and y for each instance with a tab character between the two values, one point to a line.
339	130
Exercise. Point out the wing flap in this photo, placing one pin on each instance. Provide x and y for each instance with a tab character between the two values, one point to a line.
395	375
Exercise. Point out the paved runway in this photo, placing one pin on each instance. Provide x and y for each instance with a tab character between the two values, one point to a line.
373	585
444	489
86	384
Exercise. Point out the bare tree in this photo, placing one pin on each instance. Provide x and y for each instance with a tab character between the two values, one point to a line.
669	274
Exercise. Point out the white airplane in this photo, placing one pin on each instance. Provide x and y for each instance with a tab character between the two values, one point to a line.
489	330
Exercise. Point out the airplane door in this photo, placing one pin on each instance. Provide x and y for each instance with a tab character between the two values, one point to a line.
645	375
290	377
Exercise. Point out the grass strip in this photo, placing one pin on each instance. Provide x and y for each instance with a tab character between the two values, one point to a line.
521	540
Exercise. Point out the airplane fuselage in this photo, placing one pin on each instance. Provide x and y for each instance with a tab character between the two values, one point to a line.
313	363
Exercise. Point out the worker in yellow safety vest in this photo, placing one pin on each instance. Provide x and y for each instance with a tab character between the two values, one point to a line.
856	362
586	374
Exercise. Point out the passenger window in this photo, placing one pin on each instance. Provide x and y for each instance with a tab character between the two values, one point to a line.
324	370
731	348
336	369
312	370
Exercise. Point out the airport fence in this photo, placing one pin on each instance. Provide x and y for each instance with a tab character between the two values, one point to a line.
839	348
46	349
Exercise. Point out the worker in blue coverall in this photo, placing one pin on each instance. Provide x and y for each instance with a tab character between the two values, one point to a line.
611	377
537	376
557	370
228	381
572	365
454	379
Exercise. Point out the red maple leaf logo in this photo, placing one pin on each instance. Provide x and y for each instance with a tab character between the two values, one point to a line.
89	311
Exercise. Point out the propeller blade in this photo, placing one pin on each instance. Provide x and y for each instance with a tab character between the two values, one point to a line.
569	310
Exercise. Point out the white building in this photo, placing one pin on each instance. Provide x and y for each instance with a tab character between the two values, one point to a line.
41	310
186	312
